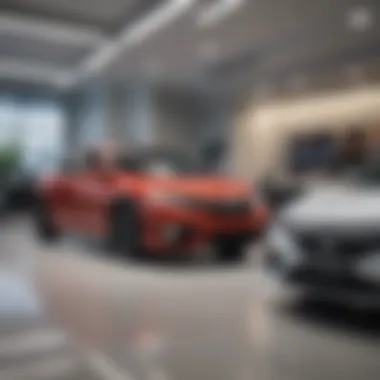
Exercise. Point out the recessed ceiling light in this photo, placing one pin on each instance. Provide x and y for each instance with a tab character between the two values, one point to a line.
359	19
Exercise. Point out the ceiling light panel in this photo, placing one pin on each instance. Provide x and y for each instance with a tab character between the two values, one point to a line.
135	34
56	32
217	12
360	19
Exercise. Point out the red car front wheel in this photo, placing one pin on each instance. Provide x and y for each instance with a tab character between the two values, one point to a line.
45	228
125	231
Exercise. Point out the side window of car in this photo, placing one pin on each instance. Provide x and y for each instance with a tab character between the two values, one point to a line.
92	160
71	165
67	166
129	164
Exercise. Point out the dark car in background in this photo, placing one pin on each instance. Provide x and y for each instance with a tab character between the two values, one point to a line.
19	189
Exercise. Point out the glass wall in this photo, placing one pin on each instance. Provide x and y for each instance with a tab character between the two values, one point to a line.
35	125
7	120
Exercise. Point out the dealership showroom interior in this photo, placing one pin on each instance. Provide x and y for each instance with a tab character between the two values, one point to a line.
189	189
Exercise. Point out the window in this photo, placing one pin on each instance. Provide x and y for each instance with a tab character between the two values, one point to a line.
36	126
8	133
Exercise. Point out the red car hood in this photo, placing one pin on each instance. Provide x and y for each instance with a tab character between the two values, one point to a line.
200	187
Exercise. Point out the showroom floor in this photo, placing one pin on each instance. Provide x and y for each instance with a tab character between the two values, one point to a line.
130	321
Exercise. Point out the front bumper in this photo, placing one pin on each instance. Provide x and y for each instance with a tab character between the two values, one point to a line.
171	229
341	287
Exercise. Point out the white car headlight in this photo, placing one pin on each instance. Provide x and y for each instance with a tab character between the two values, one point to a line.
369	268
280	241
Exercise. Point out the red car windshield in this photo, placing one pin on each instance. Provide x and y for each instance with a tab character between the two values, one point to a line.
159	163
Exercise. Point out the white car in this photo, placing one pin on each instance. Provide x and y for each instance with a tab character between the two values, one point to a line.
328	241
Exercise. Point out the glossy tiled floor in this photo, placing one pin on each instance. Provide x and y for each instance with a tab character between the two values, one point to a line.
152	322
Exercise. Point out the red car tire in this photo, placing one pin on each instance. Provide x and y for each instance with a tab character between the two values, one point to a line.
125	230
44	225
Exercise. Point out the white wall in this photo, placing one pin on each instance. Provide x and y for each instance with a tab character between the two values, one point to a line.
262	131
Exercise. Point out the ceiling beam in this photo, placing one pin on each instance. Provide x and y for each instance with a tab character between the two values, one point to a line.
134	34
49	31
105	54
34	71
217	12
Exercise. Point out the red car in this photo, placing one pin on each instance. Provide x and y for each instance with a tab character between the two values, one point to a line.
154	202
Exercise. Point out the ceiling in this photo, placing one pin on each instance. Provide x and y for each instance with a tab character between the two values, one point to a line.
47	41
286	45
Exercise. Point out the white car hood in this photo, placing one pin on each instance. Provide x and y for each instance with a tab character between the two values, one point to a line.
335	207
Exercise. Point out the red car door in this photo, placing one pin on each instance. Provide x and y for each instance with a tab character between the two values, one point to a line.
91	195
66	206
61	202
